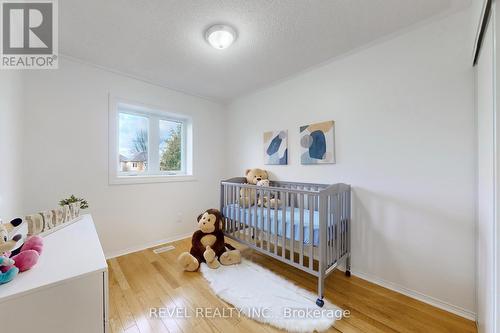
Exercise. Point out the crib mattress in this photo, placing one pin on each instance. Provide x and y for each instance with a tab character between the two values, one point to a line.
246	216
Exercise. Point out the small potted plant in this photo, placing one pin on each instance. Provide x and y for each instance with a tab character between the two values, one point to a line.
72	199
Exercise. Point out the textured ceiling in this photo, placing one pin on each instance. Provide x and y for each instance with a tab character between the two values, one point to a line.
162	40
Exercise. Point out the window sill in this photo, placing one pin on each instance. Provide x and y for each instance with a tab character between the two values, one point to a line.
126	180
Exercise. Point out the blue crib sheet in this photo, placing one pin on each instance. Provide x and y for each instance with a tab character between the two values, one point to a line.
246	216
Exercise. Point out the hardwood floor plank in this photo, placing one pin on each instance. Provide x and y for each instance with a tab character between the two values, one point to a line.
135	296
166	275
126	318
114	319
345	326
132	329
118	274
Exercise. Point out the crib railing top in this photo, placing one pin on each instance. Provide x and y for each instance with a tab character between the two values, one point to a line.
297	187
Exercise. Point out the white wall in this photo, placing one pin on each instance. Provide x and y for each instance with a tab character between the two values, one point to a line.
10	144
66	140
405	141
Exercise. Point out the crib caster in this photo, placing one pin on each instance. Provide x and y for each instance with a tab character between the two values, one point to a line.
348	273
320	302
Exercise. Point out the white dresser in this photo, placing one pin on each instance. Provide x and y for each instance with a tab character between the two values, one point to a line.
67	291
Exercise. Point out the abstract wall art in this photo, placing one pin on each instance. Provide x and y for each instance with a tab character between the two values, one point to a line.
276	147
317	143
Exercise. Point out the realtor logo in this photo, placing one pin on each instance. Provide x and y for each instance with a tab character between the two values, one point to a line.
29	34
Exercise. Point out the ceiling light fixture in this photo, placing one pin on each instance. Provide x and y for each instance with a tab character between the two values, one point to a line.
220	36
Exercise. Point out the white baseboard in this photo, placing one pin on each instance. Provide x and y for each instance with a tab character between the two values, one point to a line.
417	295
114	254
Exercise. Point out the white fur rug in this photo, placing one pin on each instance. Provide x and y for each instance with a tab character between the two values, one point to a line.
269	298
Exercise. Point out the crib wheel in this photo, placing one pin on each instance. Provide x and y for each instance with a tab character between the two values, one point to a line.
320	302
347	273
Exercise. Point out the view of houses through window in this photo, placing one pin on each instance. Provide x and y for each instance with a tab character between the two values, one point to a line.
137	132
133	142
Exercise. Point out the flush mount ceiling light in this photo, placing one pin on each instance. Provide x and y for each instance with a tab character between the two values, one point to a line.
220	36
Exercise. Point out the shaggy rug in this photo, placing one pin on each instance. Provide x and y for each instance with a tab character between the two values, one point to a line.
269	298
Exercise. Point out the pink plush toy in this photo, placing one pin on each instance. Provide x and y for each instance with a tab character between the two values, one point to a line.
29	254
26	255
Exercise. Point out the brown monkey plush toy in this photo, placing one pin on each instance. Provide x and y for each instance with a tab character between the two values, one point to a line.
207	244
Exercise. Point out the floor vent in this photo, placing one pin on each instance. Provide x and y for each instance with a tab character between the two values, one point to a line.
163	249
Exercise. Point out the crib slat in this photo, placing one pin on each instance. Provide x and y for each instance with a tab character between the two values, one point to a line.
334	237
233	213
223	199
344	243
249	218
238	211
246	213
265	217
348	217
344	224
222	202
332	258
292	227
332	227
344	217
243	216
343	238
254	229
275	207
235	202
341	233
301	229
236	196
311	200
283	224
244	219
337	226
329	230
225	211
260	218
268	222
231	210
327	221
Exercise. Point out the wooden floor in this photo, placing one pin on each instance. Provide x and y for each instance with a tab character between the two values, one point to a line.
144	280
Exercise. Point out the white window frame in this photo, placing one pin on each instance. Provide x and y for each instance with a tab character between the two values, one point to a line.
155	115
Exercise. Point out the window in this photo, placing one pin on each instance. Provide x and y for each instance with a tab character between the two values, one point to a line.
133	143
148	145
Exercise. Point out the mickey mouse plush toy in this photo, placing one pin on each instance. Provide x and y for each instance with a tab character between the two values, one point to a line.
7	271
18	252
207	244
